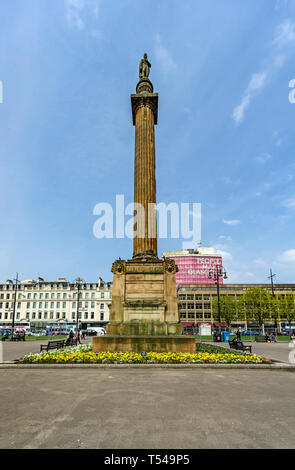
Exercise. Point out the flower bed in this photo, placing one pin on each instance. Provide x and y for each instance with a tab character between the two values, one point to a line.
84	355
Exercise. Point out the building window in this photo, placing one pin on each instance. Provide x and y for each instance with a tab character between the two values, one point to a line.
34	315
27	315
29	296
86	304
93	295
92	315
73	315
73	304
64	315
101	306
51	304
57	315
47	296
18	315
86	315
101	316
64	296
40	315
64	305
52	295
28	304
40	304
190	306
102	295
51	315
45	315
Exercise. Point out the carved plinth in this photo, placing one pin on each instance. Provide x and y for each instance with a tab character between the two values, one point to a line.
144	300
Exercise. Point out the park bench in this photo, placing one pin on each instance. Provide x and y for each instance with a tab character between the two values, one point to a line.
57	344
239	346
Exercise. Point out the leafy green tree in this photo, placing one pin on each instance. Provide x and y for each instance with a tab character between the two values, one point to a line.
228	308
256	303
287	308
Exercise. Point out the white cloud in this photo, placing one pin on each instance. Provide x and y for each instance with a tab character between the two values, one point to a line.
289	203
256	84
163	56
285	33
262	159
224	237
225	255
231	222
284	38
77	11
287	256
259	262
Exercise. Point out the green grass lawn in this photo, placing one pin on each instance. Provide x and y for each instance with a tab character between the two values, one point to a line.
44	338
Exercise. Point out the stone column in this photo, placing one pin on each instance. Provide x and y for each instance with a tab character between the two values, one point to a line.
145	114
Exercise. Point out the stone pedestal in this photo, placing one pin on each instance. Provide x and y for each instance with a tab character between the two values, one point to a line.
144	343
144	300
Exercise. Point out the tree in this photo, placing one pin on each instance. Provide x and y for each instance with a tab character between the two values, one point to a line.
257	305
287	308
228	307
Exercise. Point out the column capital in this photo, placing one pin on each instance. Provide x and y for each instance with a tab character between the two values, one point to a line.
149	100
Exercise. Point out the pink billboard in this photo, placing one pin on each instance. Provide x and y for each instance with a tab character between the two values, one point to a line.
195	269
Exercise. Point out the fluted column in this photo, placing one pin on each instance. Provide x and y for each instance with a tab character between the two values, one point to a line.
145	108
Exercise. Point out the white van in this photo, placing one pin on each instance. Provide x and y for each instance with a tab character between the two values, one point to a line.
100	331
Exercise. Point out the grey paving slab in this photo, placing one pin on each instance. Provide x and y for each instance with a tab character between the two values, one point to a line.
146	409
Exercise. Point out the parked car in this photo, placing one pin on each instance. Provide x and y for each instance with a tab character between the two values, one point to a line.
90	332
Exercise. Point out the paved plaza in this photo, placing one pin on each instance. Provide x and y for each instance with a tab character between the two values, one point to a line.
146	409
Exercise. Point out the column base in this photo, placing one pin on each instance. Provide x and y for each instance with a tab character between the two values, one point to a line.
138	344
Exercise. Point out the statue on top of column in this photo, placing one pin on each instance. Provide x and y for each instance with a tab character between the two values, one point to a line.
144	67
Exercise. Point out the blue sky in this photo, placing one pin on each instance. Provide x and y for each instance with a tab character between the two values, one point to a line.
225	136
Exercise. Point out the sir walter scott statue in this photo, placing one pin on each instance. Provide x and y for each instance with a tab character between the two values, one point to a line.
144	67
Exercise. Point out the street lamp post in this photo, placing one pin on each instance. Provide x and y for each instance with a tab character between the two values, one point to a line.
216	274
78	284
273	295
14	305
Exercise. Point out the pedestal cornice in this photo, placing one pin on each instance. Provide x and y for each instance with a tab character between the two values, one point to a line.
145	99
